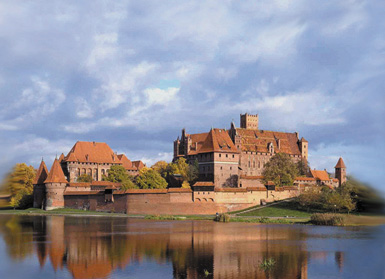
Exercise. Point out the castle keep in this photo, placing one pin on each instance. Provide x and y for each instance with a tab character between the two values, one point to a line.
236	157
230	174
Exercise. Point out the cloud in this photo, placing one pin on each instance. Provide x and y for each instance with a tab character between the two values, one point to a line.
94	70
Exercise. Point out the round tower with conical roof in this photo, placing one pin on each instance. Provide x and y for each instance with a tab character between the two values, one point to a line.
39	186
55	185
340	172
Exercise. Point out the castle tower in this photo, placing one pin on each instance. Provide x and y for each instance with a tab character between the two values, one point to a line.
38	186
304	147
249	121
340	171
55	185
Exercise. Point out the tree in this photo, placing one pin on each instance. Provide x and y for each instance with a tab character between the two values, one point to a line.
84	178
162	167
150	179
119	174
189	172
303	167
19	183
281	170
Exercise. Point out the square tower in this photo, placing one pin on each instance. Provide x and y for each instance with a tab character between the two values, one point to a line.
249	121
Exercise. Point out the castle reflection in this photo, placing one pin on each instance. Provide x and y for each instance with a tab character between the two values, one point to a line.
96	247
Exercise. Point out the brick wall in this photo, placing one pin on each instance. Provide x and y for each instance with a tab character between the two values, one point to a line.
174	202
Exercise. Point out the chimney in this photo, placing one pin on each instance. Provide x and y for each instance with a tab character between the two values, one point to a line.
297	135
94	143
279	143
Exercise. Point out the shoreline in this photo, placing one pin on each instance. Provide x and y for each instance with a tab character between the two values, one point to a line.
352	220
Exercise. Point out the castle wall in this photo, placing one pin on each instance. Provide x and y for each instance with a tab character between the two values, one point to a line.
177	202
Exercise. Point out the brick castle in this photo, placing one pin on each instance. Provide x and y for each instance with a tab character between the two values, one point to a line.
230	174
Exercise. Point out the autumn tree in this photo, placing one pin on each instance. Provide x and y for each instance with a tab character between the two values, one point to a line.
19	183
84	178
281	170
189	172
119	174
150	179
162	167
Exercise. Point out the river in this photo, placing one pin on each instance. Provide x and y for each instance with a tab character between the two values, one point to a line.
110	247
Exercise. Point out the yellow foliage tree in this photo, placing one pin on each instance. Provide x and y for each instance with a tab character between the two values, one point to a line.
19	183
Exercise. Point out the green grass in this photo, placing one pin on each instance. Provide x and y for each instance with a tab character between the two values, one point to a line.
279	210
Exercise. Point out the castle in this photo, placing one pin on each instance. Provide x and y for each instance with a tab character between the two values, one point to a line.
230	174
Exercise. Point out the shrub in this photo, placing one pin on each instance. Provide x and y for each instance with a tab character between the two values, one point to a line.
223	217
327	219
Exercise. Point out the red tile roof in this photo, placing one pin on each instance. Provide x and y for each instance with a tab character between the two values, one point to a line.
79	184
258	140
126	163
105	183
75	193
203	183
218	140
320	175
61	158
56	174
141	191
179	190
138	164
340	164
42	174
231	190
256	189
92	152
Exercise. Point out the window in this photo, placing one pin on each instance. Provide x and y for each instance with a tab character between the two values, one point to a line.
231	168
220	155
227	156
233	155
221	168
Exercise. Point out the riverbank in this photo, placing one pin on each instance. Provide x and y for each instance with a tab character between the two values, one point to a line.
350	220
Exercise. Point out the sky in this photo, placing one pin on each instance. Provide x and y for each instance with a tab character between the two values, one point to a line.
134	73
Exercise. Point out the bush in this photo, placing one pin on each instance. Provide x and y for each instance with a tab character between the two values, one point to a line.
327	219
223	217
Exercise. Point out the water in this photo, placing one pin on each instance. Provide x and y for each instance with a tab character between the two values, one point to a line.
103	247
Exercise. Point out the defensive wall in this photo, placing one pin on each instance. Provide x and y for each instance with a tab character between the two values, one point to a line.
173	201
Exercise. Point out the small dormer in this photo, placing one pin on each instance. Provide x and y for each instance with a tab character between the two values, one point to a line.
270	147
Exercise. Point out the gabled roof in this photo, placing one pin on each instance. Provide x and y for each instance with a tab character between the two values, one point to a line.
92	152
218	140
138	164
41	174
56	174
320	175
340	164
258	140
126	163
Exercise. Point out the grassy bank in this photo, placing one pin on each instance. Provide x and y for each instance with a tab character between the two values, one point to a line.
275	214
282	209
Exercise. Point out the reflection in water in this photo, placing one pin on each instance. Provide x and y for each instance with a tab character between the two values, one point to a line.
97	247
